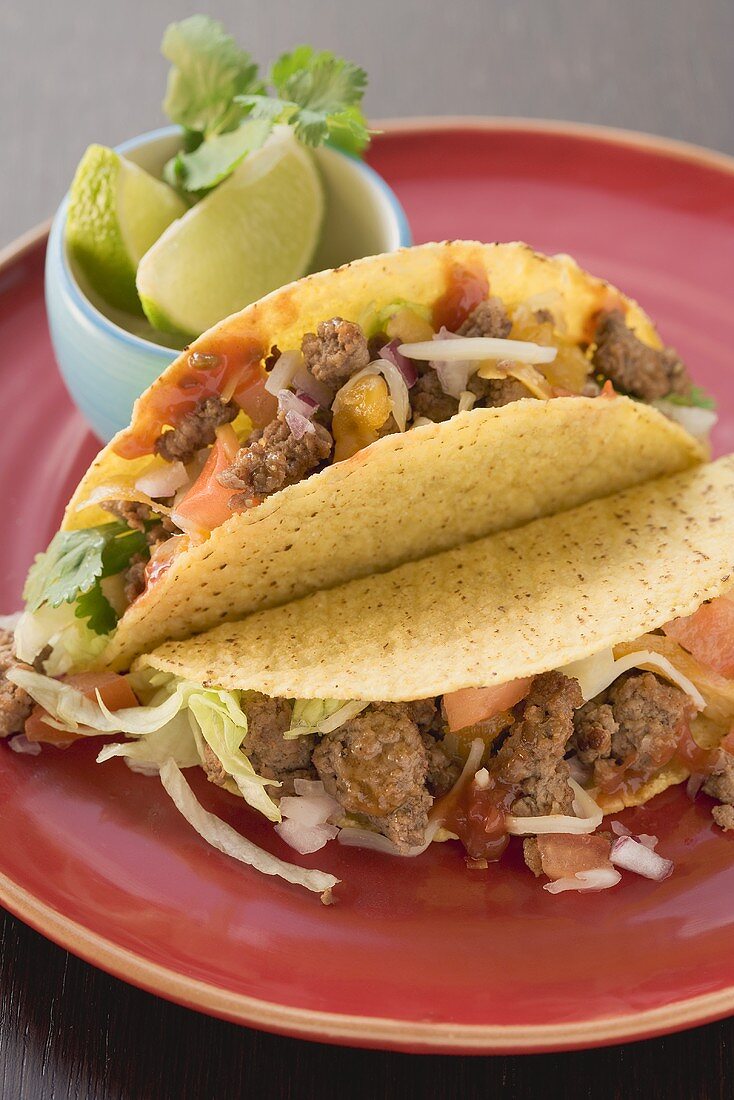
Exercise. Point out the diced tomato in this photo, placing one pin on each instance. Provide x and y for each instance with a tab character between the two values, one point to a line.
565	854
254	399
708	634
471	705
206	504
114	689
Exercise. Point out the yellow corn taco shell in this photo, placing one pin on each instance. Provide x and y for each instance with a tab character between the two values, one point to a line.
513	604
406	496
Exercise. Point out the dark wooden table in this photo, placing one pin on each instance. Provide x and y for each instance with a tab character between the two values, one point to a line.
67	1030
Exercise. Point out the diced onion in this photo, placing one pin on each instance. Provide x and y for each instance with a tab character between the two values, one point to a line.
163	482
466	401
298	424
458	348
632	855
597	672
283	372
588	817
698	422
292	402
21	744
304	381
600	878
392	355
309	809
305	838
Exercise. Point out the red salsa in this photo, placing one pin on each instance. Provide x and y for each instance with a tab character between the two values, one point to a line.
229	368
478	817
465	289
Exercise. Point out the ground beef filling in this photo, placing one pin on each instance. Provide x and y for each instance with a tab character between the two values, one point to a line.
720	785
272	459
158	529
15	703
637	723
376	766
336	351
428	399
632	366
196	430
270	753
531	758
489	318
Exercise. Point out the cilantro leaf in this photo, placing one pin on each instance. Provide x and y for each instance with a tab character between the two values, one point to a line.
214	159
209	71
72	567
318	94
97	609
696	397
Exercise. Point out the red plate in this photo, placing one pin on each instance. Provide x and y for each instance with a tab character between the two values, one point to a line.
422	954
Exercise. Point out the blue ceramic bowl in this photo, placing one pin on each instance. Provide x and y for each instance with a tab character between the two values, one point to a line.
106	366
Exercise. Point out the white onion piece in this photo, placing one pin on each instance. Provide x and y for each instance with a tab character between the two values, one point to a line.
283	372
308	786
588	818
599	878
648	840
631	855
309	809
466	401
9	622
298	424
20	743
619	829
697	422
291	402
476	348
597	672
396	385
163	482
453	375
305	838
303	380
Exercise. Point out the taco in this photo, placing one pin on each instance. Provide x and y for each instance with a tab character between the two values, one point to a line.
527	684
329	431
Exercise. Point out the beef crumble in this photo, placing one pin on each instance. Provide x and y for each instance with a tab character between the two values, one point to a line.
638	719
489	318
376	765
196	430
531	757
336	351
428	399
272	459
492	393
15	703
270	753
634	367
720	785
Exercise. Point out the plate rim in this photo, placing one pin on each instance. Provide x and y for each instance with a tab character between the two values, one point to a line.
382	1031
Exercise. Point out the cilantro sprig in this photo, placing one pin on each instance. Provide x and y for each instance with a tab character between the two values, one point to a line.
216	95
73	566
696	396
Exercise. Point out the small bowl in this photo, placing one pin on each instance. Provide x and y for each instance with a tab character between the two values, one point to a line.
106	366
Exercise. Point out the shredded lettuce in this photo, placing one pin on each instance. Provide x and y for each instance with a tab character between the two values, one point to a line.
175	740
72	644
224	727
321	715
222	836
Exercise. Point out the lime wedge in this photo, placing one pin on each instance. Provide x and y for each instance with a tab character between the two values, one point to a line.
253	233
116	212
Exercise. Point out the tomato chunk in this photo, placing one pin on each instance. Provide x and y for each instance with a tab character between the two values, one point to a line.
708	634
469	706
206	504
114	690
564	855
